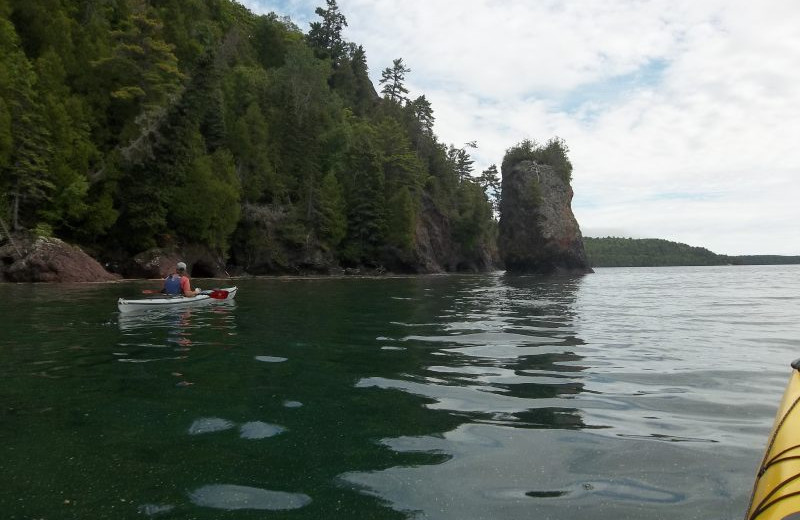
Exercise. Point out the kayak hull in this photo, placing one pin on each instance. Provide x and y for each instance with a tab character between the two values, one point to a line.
776	494
168	302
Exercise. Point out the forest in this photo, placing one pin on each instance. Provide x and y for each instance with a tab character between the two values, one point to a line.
653	252
127	125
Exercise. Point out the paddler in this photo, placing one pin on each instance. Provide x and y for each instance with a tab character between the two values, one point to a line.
179	283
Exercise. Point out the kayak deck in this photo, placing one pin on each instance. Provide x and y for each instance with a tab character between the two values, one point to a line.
776	495
165	302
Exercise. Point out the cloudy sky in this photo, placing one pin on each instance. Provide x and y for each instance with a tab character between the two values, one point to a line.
682	116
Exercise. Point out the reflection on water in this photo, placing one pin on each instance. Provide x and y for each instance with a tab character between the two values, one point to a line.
505	353
156	335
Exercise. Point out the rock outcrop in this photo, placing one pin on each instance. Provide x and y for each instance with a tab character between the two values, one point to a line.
538	231
28	258
159	262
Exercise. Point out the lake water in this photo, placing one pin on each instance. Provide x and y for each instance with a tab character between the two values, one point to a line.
625	394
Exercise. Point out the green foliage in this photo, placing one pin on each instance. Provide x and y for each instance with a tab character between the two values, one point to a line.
247	142
332	212
141	75
423	114
554	154
43	230
130	124
401	219
206	209
460	162
24	174
326	36
473	221
6	139
489	180
269	40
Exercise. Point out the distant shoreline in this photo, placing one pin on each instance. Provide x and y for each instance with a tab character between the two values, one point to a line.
654	252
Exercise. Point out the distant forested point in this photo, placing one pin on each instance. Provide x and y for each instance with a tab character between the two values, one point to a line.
129	125
654	252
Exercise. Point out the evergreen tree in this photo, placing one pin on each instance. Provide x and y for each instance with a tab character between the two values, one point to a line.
74	154
249	143
401	220
461	162
270	39
207	209
392	79
423	113
363	185
326	36
332	217
25	176
473	217
143	78
489	180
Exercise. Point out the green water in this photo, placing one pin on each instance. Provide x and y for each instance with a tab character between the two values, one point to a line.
424	397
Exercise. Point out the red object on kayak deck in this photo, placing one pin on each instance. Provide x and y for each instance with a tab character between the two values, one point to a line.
218	294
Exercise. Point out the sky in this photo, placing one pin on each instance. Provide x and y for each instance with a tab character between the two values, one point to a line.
682	117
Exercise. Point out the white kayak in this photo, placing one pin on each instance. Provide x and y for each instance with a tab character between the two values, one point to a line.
166	302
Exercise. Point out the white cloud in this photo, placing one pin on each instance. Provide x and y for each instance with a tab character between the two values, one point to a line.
682	117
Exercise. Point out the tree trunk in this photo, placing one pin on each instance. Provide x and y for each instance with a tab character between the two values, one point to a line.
8	234
15	216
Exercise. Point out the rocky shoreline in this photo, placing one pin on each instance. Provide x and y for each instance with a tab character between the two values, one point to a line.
27	258
538	233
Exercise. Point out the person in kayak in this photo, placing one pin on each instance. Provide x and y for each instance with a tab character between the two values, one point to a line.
179	283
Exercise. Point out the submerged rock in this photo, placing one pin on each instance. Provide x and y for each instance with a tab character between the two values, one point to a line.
271	359
209	425
231	497
538	231
260	430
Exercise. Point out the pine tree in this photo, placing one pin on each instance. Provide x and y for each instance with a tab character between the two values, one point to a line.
392	79
326	36
332	218
423	112
489	180
460	161
25	176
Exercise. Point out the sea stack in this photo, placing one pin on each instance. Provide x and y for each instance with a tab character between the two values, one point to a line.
538	231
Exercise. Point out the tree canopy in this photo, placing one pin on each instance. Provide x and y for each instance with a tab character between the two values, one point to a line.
129	124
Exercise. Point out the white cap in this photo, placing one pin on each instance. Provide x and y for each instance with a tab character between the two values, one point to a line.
181	266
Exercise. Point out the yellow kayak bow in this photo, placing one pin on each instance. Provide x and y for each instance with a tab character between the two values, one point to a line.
776	494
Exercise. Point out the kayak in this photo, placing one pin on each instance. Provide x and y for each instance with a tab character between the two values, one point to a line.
166	302
776	495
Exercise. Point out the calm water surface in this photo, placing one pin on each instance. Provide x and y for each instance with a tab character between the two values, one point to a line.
625	394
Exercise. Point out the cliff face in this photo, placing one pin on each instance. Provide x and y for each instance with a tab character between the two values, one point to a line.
435	250
538	231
